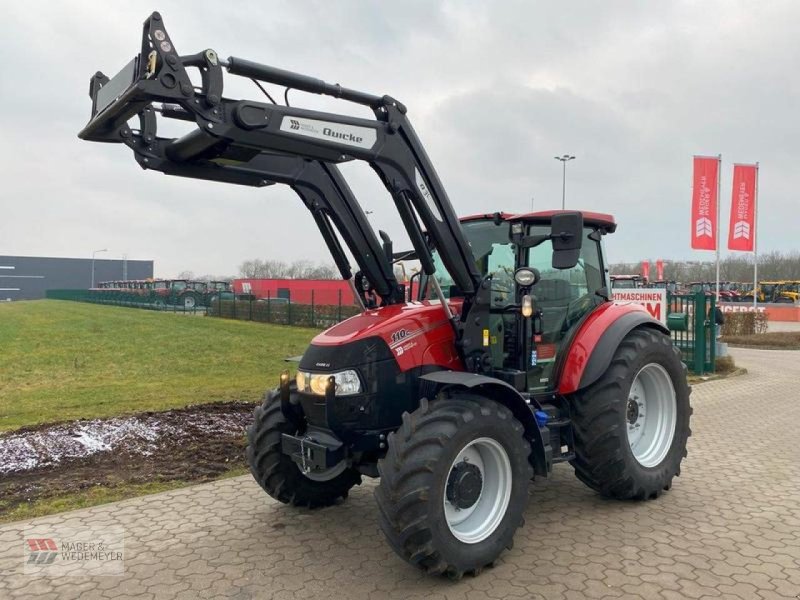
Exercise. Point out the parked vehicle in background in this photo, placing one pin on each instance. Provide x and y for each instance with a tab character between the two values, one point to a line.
670	285
627	282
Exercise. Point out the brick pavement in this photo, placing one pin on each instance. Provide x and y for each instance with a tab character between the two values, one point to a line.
730	527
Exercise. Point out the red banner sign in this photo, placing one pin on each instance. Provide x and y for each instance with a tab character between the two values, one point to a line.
704	203
660	270
646	269
742	230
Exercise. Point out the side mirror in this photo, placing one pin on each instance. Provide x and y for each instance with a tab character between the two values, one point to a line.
566	231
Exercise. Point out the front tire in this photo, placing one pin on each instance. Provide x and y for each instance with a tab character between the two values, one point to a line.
631	426
278	474
454	484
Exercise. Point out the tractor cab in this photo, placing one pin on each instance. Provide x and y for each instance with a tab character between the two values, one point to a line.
562	296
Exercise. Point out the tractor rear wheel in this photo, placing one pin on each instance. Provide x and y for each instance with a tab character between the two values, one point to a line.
454	484
278	474
631	426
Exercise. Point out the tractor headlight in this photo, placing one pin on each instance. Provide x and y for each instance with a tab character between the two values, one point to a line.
346	382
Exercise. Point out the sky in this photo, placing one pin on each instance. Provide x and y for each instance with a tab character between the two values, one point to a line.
495	90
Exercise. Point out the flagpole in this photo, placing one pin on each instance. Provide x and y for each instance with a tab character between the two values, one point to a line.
719	203
755	243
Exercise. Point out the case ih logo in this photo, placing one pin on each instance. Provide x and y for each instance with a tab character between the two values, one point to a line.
294	123
42	551
703	227
741	229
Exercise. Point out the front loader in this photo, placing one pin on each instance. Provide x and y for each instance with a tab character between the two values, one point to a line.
509	358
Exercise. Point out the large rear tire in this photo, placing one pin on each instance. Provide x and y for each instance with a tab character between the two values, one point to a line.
454	484
278	474
631	426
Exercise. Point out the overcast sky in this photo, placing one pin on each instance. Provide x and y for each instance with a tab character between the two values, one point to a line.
495	90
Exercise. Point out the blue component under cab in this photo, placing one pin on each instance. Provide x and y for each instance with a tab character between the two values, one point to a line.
541	417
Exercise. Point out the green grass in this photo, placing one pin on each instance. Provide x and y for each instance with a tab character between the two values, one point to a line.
64	360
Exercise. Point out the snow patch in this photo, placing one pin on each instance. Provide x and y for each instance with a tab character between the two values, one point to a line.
133	435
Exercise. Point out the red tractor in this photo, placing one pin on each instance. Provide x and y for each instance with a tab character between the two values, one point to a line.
510	360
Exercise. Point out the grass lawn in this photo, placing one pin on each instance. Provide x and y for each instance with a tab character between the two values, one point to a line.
64	360
789	340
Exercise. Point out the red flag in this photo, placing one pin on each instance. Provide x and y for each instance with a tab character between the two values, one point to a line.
742	230
660	269
645	269
704	203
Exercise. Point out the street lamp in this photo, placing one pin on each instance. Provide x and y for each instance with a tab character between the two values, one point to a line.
564	160
94	252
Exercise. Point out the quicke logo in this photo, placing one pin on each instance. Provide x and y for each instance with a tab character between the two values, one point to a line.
341	136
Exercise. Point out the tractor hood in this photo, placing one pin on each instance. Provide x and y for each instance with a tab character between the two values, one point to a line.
415	334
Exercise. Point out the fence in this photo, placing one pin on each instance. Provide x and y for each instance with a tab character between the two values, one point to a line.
145	299
690	318
283	312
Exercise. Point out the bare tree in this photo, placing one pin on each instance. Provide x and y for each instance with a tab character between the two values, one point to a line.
735	267
277	269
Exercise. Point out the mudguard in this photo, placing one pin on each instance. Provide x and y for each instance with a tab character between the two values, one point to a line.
505	394
594	344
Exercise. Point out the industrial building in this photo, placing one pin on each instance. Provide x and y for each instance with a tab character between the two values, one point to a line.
29	277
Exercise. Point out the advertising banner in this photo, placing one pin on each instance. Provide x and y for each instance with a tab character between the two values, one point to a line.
704	203
742	230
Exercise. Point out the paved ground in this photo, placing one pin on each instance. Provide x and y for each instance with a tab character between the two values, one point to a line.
730	527
784	326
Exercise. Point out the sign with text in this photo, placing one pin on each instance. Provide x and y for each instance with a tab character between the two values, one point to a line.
742	229
704	203
654	300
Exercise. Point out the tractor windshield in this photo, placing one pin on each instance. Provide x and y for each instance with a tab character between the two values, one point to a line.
493	253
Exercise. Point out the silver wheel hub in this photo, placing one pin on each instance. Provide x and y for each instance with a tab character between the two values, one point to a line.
478	490
325	474
651	415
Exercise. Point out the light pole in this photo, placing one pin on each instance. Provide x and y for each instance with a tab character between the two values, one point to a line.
564	160
94	252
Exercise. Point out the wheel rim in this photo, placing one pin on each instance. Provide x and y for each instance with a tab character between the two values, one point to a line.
478	521
325	475
651	415
188	302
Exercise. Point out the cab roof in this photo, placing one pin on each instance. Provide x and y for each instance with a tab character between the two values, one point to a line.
602	220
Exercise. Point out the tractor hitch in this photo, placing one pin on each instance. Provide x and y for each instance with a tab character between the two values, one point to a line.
315	451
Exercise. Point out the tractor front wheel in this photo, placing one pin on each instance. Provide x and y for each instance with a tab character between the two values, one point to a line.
279	475
631	426
454	484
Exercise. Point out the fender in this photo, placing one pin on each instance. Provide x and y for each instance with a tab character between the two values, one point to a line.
505	394
595	342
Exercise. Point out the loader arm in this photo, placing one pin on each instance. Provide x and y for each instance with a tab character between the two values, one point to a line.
320	185
245	128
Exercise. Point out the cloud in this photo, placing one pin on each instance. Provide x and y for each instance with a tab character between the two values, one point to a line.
495	90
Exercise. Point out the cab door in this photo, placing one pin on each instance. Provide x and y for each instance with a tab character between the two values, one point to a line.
562	298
